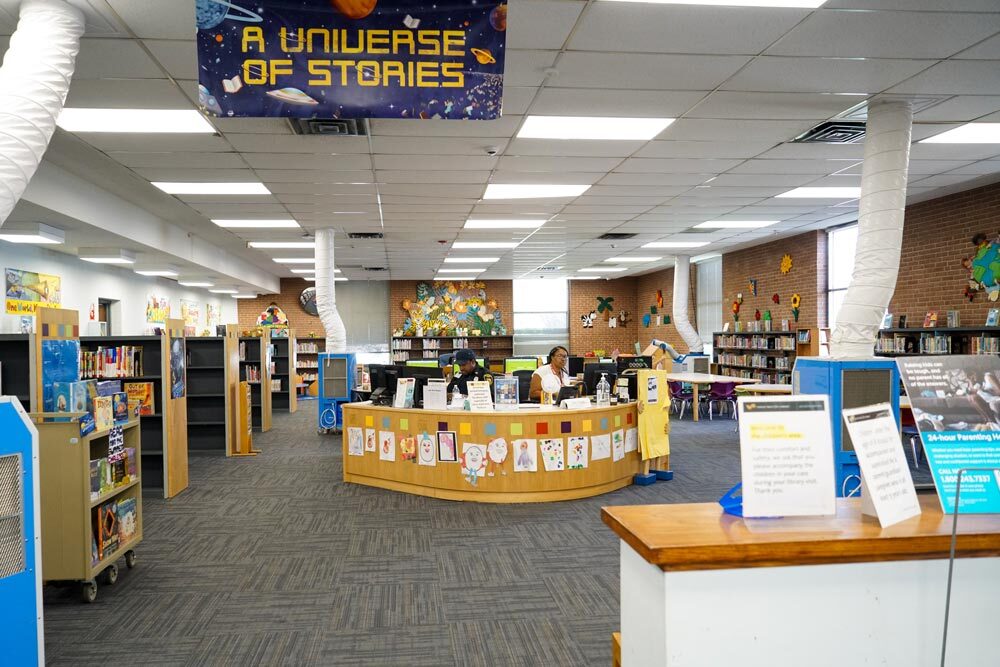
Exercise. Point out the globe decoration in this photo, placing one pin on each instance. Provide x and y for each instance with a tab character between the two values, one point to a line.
498	18
308	301
209	13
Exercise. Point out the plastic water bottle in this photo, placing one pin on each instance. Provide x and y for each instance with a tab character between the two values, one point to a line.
603	392
457	400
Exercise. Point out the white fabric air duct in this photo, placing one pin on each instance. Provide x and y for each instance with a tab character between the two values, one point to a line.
34	81
326	293
682	280
880	229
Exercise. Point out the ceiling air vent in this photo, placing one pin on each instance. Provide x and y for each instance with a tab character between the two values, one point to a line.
365	235
548	268
375	268
329	127
616	236
833	132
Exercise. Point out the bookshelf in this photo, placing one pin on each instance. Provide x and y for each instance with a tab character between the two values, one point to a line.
208	394
16	363
767	356
283	394
492	348
307	351
896	342
255	369
70	509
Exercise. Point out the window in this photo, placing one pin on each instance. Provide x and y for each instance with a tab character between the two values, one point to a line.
840	267
541	315
709	300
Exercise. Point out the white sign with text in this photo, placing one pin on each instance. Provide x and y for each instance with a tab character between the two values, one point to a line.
887	490
786	456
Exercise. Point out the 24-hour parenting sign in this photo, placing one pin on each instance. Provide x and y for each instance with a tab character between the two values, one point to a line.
352	58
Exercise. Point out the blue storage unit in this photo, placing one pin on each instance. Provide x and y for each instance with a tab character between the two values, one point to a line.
20	539
336	387
850	383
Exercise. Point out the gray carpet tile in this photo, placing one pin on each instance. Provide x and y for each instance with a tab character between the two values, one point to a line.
273	560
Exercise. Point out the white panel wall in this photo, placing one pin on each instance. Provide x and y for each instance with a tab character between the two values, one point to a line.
709	299
84	283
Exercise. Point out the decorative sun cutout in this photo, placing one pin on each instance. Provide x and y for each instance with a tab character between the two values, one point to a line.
786	263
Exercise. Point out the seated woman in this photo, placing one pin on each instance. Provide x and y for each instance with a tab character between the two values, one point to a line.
558	359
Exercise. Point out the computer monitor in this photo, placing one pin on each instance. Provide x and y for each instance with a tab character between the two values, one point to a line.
592	375
567	393
636	363
422	371
384	377
575	366
423	363
520	364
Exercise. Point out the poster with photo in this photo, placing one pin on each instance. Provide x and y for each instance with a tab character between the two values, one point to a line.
178	359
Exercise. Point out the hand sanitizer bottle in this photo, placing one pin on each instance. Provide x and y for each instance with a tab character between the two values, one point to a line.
603	392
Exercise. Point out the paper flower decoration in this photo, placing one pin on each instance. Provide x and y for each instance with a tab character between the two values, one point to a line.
756	314
767	315
786	263
405	303
775	298
796	302
736	310
739	297
753	287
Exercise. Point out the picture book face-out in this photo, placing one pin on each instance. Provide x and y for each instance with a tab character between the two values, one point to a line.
447	450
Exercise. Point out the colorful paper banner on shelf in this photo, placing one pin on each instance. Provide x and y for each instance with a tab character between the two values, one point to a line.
956	405
352	58
28	291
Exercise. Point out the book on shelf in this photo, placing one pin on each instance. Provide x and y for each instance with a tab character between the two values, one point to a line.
128	521
902	322
805	335
111	362
104	413
930	319
141	393
992	317
952	319
886	321
106	529
119	408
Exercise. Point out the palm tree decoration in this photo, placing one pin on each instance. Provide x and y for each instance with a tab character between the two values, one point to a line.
604	306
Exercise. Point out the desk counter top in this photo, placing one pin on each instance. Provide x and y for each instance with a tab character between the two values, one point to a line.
702	537
524	411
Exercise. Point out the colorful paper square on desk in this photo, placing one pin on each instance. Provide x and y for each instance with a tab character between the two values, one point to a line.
618	420
517	428
566	427
588	426
442	426
604	423
490	428
404	424
385	422
628	418
542	428
465	428
369	421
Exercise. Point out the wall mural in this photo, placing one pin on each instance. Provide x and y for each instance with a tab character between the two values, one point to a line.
984	268
273	317
444	308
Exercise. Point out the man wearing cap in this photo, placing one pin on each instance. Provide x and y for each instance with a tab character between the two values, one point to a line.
469	369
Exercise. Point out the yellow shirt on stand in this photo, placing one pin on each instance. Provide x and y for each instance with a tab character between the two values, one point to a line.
654	414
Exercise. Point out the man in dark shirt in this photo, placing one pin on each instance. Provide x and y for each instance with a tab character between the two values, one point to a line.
469	369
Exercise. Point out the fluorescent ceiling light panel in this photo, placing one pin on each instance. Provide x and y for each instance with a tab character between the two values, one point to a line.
295	260
706	256
223	290
471	260
821	193
604	269
462	270
482	245
585	278
157	273
195	283
338	280
675	244
257	224
144	121
284	245
588	127
970	133
736	224
244	296
804	4
107	256
633	259
532	190
305	270
504	224
37	234
450	277
212	188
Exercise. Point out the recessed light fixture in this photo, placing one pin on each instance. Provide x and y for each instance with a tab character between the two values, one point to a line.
257	224
483	245
532	190
212	188
450	277
587	127
638	260
970	133
165	272
283	245
504	224
675	244
471	260
36	233
586	278
184	282
145	121
604	269
736	224
803	4
706	256
244	296
107	256
338	280
821	193
223	290
295	260
462	270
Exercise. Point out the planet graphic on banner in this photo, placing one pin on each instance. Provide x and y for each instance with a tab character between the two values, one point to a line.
483	56
210	13
292	96
498	18
354	9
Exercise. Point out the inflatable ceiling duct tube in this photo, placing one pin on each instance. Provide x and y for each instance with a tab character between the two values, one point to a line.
34	81
326	293
682	280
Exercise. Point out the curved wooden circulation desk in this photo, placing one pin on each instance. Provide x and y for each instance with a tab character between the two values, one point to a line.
445	479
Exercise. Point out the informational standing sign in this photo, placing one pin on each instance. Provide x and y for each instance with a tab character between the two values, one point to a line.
886	485
409	59
404	393
786	455
480	398
436	395
956	405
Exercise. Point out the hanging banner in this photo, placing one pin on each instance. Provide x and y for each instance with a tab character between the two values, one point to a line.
28	291
352	58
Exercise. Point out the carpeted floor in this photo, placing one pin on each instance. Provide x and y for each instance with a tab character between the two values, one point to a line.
274	561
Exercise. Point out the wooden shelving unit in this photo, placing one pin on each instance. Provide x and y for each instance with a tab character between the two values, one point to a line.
17	363
492	348
255	353
937	340
68	511
283	395
209	394
767	356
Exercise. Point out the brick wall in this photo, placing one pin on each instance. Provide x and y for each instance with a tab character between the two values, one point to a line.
288	300
646	296
937	235
763	262
583	299
501	290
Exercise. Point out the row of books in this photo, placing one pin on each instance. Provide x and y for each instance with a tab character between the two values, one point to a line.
767	376
115	524
759	326
400	356
253	374
276	384
754	360
756	342
984	345
105	403
307	348
305	364
124	361
935	344
107	476
932	319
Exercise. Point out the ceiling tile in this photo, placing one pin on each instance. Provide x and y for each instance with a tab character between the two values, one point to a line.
156	143
742	131
818	167
962	108
703	149
822	75
114	59
553	101
773	106
547	164
503	127
955	77
547	177
429	176
126	94
527	68
252	125
578	69
435	162
305	161
634	178
433	145
178	57
180	159
988	49
541	24
570	148
640	165
516	99
265	143
178	23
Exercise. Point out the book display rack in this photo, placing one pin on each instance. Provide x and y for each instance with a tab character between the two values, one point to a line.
283	375
255	369
765	356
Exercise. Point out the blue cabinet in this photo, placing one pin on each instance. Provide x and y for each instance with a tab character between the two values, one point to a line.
336	387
